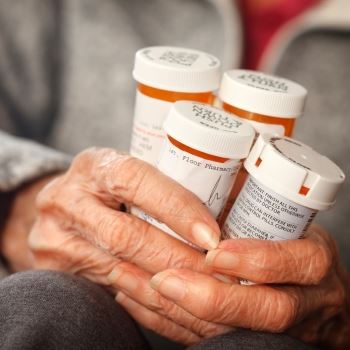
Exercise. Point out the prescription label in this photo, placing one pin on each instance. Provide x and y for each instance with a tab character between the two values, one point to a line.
211	181
263	214
147	133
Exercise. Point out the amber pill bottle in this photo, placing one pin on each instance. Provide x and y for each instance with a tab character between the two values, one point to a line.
165	75
203	151
270	103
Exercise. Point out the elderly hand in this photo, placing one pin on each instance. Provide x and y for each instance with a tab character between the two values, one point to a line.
79	228
301	287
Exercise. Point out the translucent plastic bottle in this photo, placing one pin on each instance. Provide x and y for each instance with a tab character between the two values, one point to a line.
203	151
165	75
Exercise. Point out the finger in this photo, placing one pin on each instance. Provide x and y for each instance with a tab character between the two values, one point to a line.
57	249
130	238
135	182
134	282
156	322
258	307
304	261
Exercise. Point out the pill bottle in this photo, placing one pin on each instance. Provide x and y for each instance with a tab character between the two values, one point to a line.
288	184
165	75
271	104
203	151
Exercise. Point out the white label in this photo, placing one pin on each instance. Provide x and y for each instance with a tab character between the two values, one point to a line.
147	134
262	128
211	181
263	214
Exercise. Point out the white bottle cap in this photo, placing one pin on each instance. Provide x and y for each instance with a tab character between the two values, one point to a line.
263	94
177	69
209	130
295	171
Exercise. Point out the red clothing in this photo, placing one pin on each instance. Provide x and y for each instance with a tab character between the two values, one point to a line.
260	23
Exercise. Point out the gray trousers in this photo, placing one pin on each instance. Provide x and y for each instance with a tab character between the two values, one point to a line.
52	310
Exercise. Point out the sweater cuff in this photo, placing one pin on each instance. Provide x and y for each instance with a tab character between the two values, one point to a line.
22	161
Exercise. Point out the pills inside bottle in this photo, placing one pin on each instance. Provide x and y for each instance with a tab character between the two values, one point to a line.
165	75
288	184
203	151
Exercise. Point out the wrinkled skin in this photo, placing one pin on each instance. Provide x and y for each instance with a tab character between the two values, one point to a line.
300	286
77	226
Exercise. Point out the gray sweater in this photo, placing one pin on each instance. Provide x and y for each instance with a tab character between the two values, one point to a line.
65	79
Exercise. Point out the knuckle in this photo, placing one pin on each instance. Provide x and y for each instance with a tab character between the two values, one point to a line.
190	339
215	306
283	313
157	325
160	325
133	239
136	240
205	329
263	267
322	235
203	312
339	296
162	306
108	234
125	176
94	160
181	317
36	240
55	196
178	203
43	257
87	155
46	197
321	263
33	240
176	259
171	330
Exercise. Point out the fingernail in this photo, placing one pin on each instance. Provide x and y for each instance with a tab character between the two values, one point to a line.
204	236
169	286
113	275
120	297
221	259
123	279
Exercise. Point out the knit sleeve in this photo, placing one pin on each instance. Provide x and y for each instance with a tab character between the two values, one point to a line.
22	161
